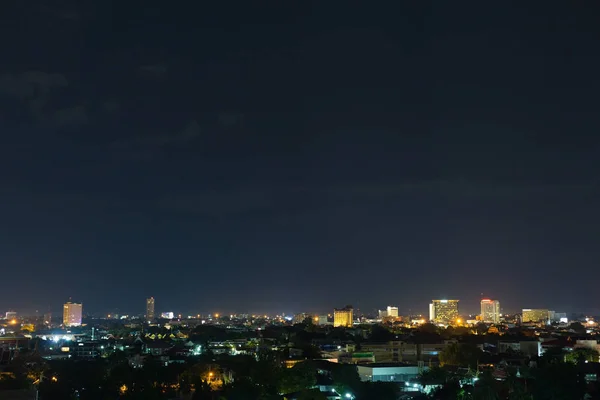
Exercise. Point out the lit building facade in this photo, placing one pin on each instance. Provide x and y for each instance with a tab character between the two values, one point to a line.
299	318
11	315
444	311
535	315
490	311
343	317
392	311
150	309
72	313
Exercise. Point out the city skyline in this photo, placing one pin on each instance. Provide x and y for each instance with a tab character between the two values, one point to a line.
149	305
312	158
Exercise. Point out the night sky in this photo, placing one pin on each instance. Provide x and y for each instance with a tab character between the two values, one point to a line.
299	156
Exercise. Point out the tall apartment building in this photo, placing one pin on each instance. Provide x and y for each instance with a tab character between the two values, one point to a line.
343	317
443	311
72	314
150	309
490	311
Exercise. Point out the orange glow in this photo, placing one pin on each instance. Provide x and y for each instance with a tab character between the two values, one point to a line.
13	322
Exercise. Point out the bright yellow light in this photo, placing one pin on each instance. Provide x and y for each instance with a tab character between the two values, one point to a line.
211	374
458	321
216	315
13	321
54	379
123	389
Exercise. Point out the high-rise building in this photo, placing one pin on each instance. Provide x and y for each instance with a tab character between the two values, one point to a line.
444	311
490	311
535	315
150	309
392	311
299	318
343	317
72	313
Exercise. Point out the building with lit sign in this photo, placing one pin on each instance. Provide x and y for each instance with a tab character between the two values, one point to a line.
72	313
443	311
535	315
343	317
490	311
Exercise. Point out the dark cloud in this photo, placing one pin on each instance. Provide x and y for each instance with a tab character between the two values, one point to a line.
145	147
110	106
230	119
218	202
31	84
153	70
71	116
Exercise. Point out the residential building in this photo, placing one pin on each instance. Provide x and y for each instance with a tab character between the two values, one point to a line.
444	311
343	317
399	351
150	309
72	313
490	311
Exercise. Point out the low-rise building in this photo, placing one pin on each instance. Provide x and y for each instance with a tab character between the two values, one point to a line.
389	372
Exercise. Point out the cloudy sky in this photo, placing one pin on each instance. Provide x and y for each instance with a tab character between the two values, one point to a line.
298	156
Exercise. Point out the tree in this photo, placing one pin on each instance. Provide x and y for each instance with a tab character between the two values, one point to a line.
460	354
433	376
449	391
311	394
582	354
577	327
558	381
345	378
486	388
380	333
378	390
552	355
300	377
